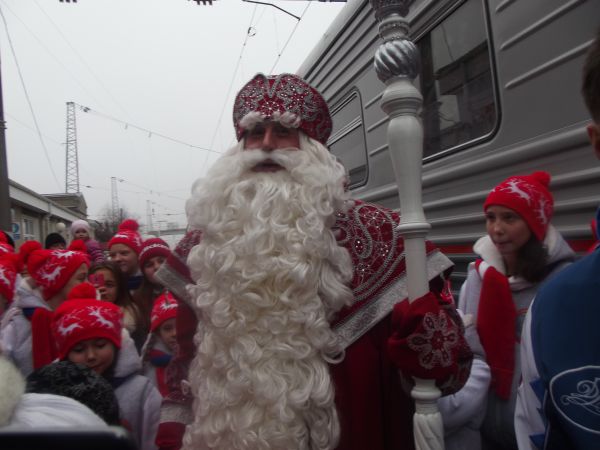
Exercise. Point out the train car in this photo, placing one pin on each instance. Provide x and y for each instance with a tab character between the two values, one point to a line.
500	81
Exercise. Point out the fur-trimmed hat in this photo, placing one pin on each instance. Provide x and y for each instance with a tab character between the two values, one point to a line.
128	235
286	98
528	196
52	269
165	307
153	247
83	317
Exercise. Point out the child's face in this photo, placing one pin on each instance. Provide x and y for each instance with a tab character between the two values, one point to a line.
125	258
82	234
508	230
167	332
97	354
108	291
151	266
78	277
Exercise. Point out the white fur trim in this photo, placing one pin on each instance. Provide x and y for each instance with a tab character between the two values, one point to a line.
287	119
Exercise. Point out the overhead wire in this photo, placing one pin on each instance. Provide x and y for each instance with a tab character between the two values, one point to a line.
237	66
81	59
290	37
41	43
39	133
151	133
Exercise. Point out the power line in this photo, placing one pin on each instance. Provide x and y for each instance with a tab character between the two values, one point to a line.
290	37
81	59
151	133
53	56
37	127
237	66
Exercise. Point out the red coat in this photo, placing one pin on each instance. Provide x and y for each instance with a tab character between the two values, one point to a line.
383	335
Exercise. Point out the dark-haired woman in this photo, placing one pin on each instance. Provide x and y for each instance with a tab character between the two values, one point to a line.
520	250
111	283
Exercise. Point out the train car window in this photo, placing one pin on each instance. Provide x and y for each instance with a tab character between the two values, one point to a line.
456	80
347	141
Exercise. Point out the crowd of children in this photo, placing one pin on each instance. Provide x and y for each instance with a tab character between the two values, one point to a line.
66	309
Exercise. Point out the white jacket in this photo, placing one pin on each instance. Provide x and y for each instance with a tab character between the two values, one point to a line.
139	401
474	408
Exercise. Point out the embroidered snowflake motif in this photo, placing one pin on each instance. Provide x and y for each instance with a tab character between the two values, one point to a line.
435	343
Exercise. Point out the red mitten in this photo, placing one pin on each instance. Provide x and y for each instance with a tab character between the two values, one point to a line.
428	342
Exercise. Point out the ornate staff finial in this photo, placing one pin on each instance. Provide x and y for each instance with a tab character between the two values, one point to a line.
397	65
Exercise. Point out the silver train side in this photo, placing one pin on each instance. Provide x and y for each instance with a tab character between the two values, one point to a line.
501	86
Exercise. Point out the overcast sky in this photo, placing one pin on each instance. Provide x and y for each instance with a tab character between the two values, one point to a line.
161	65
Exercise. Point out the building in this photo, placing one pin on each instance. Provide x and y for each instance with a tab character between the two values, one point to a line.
33	215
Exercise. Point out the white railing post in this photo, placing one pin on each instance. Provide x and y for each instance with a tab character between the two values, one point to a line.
397	65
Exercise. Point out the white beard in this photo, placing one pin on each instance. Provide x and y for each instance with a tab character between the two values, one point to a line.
269	275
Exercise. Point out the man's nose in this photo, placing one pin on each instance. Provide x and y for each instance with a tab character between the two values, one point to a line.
268	143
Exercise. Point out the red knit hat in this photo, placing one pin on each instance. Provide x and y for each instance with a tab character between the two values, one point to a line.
165	307
83	317
128	235
153	247
528	195
52	269
274	95
10	266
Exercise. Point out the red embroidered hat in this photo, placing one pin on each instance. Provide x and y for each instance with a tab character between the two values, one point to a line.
529	196
273	95
165	307
10	266
52	269
83	317
153	247
128	235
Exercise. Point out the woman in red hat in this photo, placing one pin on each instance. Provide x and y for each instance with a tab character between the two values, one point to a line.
25	332
520	250
90	332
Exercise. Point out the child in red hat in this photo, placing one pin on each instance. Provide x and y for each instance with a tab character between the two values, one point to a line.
124	248
162	340
520	250
90	332
51	275
152	256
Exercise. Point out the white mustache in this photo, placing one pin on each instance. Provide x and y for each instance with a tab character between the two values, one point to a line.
285	157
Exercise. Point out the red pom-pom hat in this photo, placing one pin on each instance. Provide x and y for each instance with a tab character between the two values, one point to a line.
165	307
128	235
529	196
153	247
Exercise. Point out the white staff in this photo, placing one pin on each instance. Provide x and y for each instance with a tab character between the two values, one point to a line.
397	65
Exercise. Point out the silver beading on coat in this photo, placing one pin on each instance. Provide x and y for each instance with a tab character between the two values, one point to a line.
397	58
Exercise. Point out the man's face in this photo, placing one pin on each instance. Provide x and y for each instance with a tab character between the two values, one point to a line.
271	136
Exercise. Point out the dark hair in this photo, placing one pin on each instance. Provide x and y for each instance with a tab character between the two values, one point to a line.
79	383
123	296
144	298
532	261
53	239
9	238
590	86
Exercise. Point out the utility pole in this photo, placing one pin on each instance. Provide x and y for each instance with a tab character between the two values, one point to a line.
148	216
115	200
72	160
5	219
